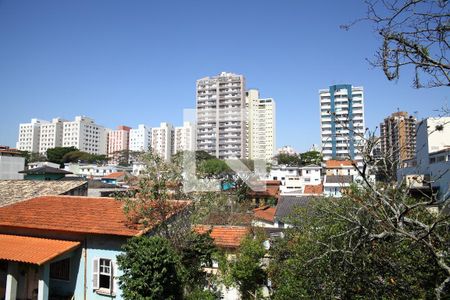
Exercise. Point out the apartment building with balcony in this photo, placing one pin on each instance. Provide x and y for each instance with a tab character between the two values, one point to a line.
398	137
162	140
29	134
118	141
185	138
342	122
84	134
51	135
260	126
140	138
221	126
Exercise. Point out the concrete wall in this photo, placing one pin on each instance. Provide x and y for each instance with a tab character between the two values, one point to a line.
10	167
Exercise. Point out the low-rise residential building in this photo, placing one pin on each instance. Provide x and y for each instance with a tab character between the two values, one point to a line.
311	174
340	167
45	173
286	208
430	167
335	185
60	247
11	162
93	170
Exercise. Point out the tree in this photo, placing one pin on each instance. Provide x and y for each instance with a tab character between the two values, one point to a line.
151	269
414	34
288	159
57	154
77	156
311	157
213	168
247	271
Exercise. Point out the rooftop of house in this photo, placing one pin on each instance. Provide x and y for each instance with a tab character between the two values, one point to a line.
45	170
287	204
265	213
338	179
225	236
334	163
32	250
12	191
115	175
313	189
77	214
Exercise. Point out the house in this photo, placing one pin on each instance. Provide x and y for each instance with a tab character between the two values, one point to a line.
286	207
65	247
12	191
341	167
315	190
311	174
335	185
264	217
93	170
272	192
11	162
45	172
115	178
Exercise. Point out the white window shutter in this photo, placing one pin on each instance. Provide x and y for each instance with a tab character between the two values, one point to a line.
96	274
114	279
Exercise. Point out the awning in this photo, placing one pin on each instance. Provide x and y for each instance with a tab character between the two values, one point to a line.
33	250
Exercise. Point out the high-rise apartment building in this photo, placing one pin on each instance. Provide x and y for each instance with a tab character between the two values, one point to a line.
29	134
140	138
342	122
85	135
260	126
118	141
162	140
184	138
221	115
398	136
51	135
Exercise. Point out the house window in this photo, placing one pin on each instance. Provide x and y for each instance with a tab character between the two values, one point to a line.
60	270
103	276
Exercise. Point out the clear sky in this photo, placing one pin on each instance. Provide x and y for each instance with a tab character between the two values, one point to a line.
136	61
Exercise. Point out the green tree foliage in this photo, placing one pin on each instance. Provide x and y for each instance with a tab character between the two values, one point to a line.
213	168
311	157
343	248
150	268
288	159
80	156
57	154
32	157
247	272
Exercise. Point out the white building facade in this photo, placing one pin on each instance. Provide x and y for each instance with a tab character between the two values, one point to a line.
185	138
221	126
51	135
342	122
261	131
84	134
140	138
162	140
29	134
11	163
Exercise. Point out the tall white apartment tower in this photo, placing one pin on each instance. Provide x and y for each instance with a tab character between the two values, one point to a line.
260	126
140	138
162	140
29	134
221	128
85	135
342	122
51	135
184	138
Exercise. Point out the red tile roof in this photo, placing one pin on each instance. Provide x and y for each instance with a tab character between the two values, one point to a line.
313	189
265	213
333	163
115	175
225	236
32	250
75	214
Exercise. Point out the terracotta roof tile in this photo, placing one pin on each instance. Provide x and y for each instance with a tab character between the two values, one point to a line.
74	214
265	213
32	250
225	236
313	189
333	163
115	175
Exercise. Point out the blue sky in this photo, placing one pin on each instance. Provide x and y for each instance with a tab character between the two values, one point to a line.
136	61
